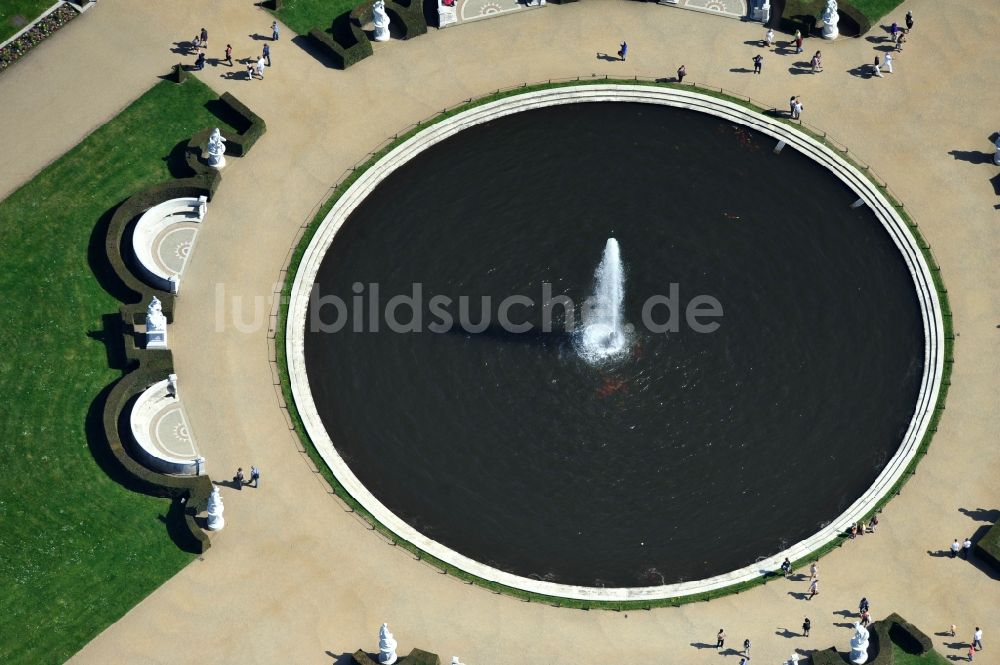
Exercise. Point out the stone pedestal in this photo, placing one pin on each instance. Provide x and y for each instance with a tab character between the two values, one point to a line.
156	325
386	646
215	508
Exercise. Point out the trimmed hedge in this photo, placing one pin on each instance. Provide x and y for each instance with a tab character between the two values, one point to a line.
345	42
988	547
190	493
909	638
827	657
410	14
118	251
415	657
249	125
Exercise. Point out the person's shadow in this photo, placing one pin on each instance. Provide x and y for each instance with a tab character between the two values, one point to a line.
741	70
972	156
862	71
609	58
702	645
787	634
231	484
798	595
940	554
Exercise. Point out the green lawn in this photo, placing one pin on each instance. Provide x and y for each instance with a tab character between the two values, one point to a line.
15	14
929	658
77	550
304	15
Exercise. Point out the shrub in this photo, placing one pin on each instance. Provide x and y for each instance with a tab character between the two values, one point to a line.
411	14
179	75
345	42
249	125
988	547
827	657
909	638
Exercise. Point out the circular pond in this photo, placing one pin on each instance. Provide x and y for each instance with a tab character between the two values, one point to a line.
711	443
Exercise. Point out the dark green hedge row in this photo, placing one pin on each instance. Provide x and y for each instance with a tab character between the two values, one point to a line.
415	657
249	125
118	251
411	14
988	547
345	43
189	493
908	637
827	657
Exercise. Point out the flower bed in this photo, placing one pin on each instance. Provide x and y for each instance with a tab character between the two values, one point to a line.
17	49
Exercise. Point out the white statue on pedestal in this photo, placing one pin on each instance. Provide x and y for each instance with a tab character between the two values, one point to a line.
830	18
156	325
386	646
381	21
859	645
216	149
215	519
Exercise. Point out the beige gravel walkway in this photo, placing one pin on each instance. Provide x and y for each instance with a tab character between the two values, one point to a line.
295	579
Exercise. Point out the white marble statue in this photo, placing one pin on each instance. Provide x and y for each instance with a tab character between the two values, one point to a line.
381	21
386	646
156	325
859	644
830	18
996	156
215	519
216	149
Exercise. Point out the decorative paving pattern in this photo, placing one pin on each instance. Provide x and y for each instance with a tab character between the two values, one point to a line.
473	10
172	247
729	8
170	433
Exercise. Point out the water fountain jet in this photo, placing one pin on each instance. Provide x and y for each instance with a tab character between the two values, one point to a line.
604	335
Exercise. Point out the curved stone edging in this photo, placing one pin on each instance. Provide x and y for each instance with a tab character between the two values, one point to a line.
931	313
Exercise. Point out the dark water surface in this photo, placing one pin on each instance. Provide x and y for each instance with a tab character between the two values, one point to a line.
697	454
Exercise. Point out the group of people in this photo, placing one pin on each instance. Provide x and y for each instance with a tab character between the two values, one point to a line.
240	480
898	36
255	67
962	548
859	528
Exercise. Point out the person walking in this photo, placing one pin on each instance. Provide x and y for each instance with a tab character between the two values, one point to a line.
786	567
758	62
971	653
196	44
854	527
746	647
250	71
769	38
953	629
199	64
720	640
255	476
798	42
977	639
681	73
623	51
813	589
238	478
204	37
863	606
275	34
899	42
909	21
956	547
873	524
791	106
888	62
966	548
806	626
815	63
267	54
260	67
229	54
878	72
814	571
894	31
866	618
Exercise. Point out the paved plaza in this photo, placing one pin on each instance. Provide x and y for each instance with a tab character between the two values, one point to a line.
294	578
